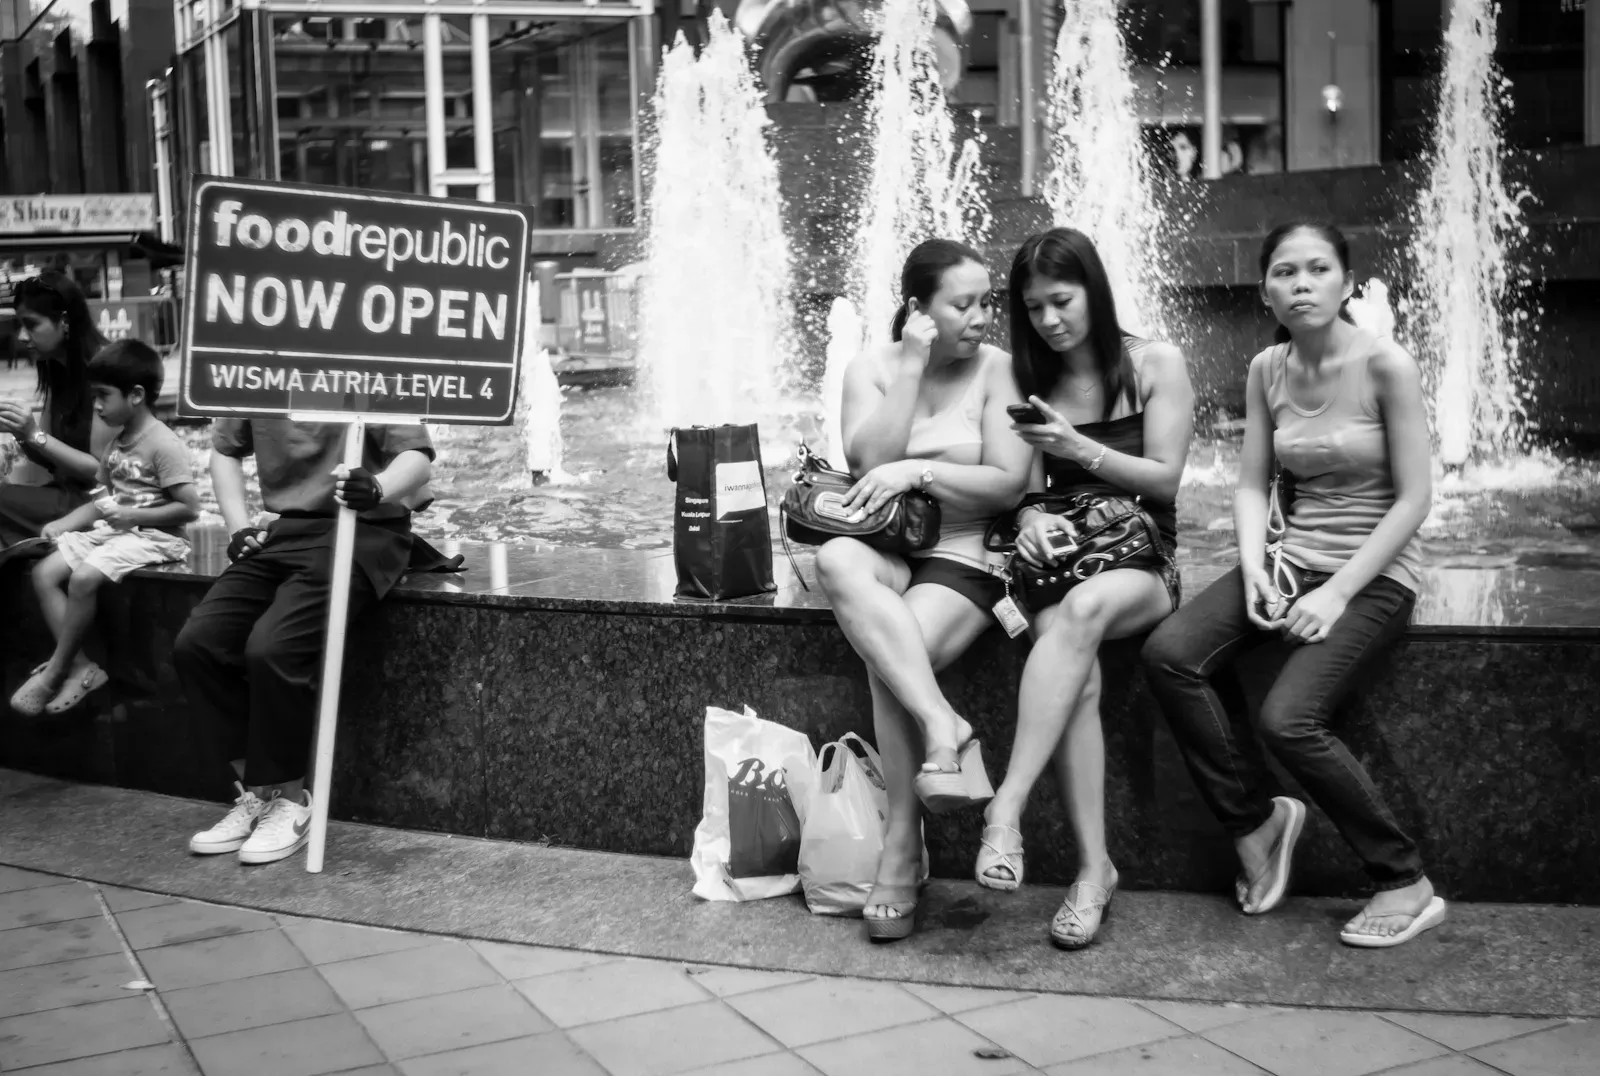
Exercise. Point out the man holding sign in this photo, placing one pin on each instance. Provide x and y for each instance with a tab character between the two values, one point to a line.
321	327
251	654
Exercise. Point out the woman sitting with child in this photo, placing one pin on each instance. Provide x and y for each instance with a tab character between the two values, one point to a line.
1341	410
64	442
928	412
1117	414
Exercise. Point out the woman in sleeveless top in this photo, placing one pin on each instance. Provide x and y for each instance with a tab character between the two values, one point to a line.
927	411
63	443
1119	414
1343	413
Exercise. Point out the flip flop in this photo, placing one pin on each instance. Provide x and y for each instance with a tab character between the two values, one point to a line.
942	790
900	898
1279	865
77	688
1003	852
1430	917
31	697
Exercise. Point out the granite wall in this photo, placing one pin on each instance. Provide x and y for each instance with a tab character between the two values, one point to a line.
578	725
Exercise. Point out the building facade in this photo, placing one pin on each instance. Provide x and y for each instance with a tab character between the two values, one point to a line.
77	162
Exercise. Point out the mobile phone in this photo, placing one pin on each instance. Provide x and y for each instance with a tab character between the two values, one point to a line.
1025	414
1060	542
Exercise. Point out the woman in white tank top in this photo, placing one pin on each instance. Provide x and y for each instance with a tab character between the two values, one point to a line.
927	411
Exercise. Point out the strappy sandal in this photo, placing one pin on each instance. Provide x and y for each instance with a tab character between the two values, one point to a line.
78	687
901	899
1085	915
31	697
942	790
1000	853
1278	866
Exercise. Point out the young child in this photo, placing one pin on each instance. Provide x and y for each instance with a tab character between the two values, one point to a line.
135	519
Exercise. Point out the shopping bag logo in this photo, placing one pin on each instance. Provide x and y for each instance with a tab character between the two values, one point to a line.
763	826
739	488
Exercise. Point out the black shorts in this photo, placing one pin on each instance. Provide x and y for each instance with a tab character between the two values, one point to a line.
979	587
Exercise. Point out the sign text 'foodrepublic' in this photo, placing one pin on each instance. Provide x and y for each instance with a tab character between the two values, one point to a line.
312	299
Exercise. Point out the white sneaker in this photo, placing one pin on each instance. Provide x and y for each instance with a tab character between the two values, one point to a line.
234	828
284	828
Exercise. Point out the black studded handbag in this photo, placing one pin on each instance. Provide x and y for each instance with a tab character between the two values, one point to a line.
1103	533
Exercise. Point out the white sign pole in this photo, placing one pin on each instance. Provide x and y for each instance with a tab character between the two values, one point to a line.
344	549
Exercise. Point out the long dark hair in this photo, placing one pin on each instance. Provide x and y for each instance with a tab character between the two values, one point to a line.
1067	255
1322	230
64	383
924	271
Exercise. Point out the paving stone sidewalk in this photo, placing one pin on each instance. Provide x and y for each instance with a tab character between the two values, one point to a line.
102	981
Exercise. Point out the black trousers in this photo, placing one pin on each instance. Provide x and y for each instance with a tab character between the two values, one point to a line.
250	656
1224	758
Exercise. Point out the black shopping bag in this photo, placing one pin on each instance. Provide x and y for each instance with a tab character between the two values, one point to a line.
763	826
721	539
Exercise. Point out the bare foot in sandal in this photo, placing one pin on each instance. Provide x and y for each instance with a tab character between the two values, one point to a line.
1393	916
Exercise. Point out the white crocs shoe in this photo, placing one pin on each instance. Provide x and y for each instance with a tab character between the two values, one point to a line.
228	834
284	829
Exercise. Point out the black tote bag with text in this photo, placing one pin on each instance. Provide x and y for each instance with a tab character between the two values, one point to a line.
721	538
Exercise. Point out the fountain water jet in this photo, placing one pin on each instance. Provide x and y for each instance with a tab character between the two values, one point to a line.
921	185
1099	180
1465	222
715	299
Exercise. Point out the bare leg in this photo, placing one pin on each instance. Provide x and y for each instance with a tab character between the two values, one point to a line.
1081	770
866	590
77	617
900	749
50	577
1058	674
950	623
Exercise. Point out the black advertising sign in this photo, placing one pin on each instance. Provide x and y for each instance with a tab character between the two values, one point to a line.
343	304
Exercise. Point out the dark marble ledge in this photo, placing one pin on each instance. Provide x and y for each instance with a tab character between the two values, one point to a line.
1502	602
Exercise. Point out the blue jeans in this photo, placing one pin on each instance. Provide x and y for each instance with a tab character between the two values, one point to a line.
1225	760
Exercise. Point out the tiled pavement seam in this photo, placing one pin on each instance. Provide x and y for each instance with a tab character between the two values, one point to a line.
603	1014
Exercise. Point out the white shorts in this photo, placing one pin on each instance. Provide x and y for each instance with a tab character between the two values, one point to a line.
116	553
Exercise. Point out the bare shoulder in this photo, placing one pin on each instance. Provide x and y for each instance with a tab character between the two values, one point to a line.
1261	359
995	365
1392	366
1157	363
871	366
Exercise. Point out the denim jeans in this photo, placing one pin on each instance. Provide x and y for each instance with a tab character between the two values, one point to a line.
1200	639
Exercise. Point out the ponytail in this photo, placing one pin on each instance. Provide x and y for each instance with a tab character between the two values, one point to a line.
898	325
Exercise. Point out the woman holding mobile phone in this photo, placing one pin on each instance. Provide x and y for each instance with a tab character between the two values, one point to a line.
925	411
1110	413
1341	410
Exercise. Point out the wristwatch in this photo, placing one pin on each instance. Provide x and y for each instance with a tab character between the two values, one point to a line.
39	437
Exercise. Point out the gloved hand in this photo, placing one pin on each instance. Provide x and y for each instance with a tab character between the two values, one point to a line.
358	489
245	540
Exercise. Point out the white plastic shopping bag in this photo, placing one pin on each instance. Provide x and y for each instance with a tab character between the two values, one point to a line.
843	833
747	845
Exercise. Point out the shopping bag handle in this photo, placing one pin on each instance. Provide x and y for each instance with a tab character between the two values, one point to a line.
672	455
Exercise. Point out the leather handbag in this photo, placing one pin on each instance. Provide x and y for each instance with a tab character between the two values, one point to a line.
1103	533
812	512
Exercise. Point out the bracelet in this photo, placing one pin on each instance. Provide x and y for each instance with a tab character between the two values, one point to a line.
1094	464
378	486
